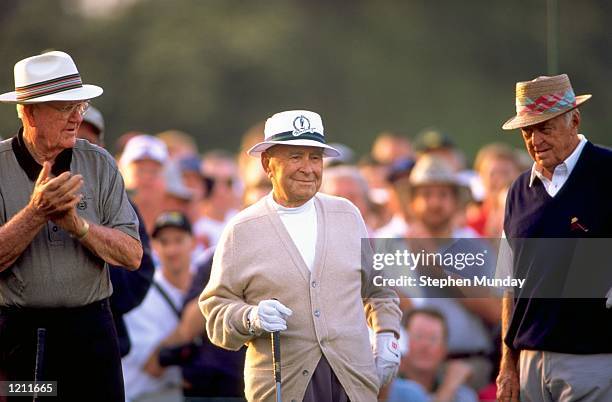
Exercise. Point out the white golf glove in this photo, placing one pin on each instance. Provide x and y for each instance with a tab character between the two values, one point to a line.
386	356
269	316
609	299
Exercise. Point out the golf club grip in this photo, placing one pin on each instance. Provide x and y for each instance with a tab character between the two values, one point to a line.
276	355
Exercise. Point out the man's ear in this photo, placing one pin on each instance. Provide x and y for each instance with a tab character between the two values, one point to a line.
265	162
576	119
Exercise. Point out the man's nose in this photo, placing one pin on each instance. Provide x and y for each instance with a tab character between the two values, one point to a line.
306	166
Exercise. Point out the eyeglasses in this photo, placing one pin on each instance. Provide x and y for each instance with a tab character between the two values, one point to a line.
67	110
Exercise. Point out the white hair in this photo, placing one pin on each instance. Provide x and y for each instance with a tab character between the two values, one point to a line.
567	116
344	172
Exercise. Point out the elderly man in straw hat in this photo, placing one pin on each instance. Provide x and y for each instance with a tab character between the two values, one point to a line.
291	263
64	216
555	349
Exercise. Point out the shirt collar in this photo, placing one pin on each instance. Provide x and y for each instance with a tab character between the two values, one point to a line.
569	163
29	164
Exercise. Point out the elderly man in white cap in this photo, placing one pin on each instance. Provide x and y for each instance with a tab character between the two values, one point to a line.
291	263
556	349
64	216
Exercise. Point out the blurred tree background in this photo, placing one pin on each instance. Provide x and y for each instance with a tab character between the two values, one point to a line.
213	68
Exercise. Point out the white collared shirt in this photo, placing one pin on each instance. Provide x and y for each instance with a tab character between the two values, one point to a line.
561	172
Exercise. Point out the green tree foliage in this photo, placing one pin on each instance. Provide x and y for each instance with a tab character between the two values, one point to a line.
213	68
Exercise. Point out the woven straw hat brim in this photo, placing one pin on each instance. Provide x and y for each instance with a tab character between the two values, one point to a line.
529	120
87	91
328	151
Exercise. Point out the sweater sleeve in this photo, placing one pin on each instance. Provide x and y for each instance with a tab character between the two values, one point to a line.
381	304
221	301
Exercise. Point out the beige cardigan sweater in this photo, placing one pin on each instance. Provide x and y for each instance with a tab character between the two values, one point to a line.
256	260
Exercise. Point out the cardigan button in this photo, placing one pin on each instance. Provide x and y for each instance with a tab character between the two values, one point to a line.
305	372
313	284
317	313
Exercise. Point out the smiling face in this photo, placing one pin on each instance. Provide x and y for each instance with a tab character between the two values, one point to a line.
549	143
295	172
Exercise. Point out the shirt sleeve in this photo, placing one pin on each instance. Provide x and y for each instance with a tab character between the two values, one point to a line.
117	212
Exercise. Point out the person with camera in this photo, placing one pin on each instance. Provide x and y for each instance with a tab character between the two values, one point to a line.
159	314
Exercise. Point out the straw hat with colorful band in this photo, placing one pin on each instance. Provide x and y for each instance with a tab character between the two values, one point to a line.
542	99
51	76
294	127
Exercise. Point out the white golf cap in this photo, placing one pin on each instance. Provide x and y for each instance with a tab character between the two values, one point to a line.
294	127
144	147
47	77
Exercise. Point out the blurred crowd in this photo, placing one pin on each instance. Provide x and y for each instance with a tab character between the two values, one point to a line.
418	186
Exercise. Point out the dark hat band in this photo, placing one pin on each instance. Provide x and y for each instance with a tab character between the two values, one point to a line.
48	87
288	136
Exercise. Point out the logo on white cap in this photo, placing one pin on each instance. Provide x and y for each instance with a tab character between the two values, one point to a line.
301	124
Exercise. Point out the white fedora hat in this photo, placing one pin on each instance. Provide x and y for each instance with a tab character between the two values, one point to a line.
294	127
51	76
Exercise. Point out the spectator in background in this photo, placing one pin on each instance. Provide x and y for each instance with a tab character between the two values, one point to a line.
92	127
423	376
193	179
497	165
221	200
158	315
178	143
375	175
432	141
389	147
178	196
398	177
129	287
433	198
346	181
249	169
142	164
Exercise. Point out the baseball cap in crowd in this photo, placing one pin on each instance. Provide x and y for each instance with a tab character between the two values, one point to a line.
171	219
175	185
294	127
51	76
431	139
94	117
400	169
143	147
190	163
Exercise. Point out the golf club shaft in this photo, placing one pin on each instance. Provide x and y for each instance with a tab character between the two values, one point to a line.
276	360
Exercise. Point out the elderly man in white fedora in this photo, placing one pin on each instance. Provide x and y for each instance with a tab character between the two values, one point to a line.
64	216
555	349
291	262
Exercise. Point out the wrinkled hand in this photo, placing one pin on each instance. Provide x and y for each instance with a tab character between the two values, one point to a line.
386	357
55	196
70	221
269	316
508	383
